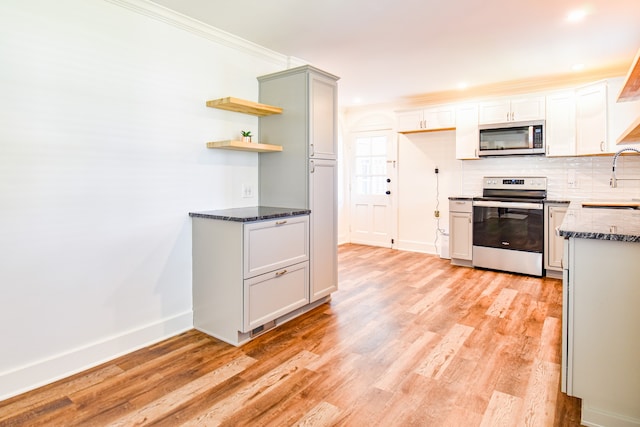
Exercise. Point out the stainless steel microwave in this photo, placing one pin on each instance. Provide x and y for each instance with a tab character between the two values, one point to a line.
516	138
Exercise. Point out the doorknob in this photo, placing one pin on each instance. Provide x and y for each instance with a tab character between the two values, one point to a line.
388	179
387	192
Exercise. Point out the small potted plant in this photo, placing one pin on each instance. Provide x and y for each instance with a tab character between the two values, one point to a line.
246	135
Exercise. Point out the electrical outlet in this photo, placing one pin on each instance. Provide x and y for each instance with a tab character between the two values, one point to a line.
572	182
247	191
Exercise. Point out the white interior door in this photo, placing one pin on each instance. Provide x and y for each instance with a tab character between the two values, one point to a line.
372	189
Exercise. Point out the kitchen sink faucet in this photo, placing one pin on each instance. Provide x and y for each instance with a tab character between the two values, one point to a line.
614	181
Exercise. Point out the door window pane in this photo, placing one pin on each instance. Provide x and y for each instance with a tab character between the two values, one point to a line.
371	165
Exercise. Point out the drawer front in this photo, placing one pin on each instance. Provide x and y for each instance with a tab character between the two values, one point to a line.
275	294
272	245
460	206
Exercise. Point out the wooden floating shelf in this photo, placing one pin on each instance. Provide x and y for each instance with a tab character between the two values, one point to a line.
243	106
631	89
632	134
245	146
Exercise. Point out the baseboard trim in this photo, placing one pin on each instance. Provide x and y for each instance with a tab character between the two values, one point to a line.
416	246
46	371
596	417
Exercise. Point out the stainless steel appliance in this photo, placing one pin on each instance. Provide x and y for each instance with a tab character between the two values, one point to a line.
508	224
515	138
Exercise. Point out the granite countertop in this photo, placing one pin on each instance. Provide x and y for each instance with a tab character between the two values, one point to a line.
248	214
601	223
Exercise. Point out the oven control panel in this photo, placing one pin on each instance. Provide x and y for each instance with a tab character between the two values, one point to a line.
515	183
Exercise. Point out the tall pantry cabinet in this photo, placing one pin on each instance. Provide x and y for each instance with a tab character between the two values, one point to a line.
304	174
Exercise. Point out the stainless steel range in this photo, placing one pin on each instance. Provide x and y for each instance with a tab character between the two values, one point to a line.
508	224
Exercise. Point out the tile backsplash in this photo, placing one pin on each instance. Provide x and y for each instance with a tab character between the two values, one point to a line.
568	178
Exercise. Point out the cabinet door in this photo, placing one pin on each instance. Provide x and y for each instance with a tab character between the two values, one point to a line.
561	124
410	121
528	108
461	238
275	294
495	112
322	126
440	118
467	133
324	228
591	119
555	244
261	255
510	110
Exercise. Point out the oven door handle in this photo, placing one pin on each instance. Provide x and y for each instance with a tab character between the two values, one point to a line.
513	205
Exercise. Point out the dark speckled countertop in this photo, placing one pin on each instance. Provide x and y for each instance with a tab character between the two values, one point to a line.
248	214
601	223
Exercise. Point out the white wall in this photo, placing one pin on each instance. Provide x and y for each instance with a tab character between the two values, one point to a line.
421	191
103	127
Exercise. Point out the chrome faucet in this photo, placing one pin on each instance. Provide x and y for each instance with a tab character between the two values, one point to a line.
614	181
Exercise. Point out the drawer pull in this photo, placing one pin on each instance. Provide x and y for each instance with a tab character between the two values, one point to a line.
281	222
281	273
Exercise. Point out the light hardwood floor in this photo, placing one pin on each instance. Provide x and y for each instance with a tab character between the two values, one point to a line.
408	340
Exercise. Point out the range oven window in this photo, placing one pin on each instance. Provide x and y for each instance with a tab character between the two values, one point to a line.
508	228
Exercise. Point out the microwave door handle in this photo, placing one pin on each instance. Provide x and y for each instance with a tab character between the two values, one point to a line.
530	136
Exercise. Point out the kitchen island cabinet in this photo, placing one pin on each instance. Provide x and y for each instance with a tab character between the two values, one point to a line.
250	270
601	320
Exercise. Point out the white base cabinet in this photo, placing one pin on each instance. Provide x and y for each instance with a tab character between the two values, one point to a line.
461	231
553	244
245	284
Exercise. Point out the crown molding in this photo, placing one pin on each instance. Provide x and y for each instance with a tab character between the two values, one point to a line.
183	22
516	87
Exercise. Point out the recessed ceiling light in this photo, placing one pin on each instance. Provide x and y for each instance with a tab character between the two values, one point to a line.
576	15
357	100
463	85
577	67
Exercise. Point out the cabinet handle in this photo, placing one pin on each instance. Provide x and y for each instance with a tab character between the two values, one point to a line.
312	167
602	146
513	114
281	222
469	220
281	273
311	152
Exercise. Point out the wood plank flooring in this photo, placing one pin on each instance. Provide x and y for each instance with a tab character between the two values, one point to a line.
408	340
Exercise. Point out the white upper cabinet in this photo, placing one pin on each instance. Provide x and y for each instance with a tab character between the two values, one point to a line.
467	133
512	110
436	118
591	119
561	124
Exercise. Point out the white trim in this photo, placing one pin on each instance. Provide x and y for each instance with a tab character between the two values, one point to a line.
178	20
37	374
416	246
595	417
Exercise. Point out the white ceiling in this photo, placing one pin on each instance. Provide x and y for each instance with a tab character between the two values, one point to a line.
385	50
